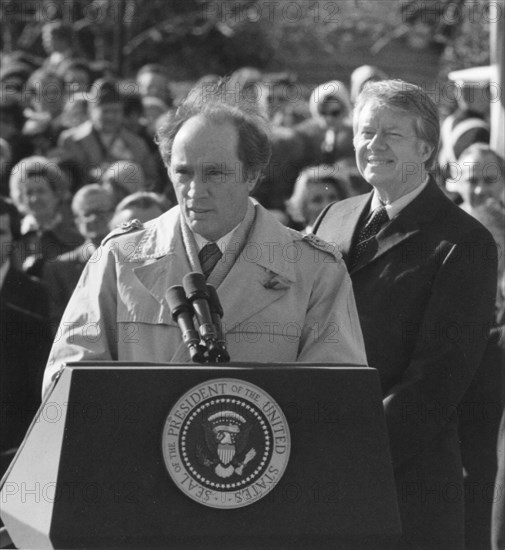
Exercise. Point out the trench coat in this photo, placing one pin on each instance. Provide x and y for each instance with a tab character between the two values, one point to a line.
287	298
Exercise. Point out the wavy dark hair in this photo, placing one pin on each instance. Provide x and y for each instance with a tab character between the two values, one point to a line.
221	104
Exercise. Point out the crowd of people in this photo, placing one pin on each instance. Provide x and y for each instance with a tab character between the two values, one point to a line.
84	153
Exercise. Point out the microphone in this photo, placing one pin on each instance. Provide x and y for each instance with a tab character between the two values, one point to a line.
196	292
182	314
217	312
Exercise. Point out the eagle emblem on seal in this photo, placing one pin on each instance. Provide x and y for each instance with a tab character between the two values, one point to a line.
226	435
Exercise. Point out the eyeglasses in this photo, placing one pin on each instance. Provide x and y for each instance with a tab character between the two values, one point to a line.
332	113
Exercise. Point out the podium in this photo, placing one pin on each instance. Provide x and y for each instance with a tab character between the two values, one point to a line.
241	455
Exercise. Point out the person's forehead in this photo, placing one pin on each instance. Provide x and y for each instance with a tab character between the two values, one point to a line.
37	181
152	77
93	201
374	112
214	138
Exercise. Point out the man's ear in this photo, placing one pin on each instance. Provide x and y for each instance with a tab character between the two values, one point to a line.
426	150
252	179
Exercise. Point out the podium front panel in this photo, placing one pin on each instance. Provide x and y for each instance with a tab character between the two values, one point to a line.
112	487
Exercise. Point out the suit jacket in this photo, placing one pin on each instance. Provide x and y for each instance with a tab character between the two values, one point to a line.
286	298
39	247
61	277
82	145
425	291
24	348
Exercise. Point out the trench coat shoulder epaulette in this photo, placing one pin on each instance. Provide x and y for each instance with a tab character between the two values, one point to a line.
123	229
320	244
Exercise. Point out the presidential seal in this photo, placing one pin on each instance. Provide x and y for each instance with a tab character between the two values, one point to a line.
226	443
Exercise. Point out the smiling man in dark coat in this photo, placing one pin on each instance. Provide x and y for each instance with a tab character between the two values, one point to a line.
424	278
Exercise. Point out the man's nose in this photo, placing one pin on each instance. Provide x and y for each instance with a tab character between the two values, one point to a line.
197	187
378	141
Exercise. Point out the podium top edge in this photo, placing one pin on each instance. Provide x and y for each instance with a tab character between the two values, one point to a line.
126	365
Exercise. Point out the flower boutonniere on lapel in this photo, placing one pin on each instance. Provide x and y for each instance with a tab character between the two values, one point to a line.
275	281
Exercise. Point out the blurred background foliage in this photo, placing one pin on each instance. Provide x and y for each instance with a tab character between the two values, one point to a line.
418	40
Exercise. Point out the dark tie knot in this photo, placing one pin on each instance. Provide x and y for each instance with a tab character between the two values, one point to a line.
209	255
372	226
378	218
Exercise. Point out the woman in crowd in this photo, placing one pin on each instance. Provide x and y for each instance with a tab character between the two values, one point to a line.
479	177
327	136
41	192
315	188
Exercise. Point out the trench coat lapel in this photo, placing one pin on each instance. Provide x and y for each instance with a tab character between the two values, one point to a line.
164	271
157	277
162	253
245	291
253	284
166	264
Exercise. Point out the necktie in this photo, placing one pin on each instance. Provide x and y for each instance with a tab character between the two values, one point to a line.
368	231
209	255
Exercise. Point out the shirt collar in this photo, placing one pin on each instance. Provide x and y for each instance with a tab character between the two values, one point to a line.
394	208
222	243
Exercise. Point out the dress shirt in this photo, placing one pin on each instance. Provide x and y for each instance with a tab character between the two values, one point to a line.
222	243
396	206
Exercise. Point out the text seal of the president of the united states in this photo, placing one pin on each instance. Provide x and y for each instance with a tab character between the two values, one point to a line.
226	443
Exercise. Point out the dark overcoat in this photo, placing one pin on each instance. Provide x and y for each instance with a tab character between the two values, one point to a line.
425	291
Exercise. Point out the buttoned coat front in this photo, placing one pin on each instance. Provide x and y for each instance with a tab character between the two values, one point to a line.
285	299
424	289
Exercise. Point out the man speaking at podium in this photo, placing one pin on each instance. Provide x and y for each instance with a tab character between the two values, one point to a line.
285	297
